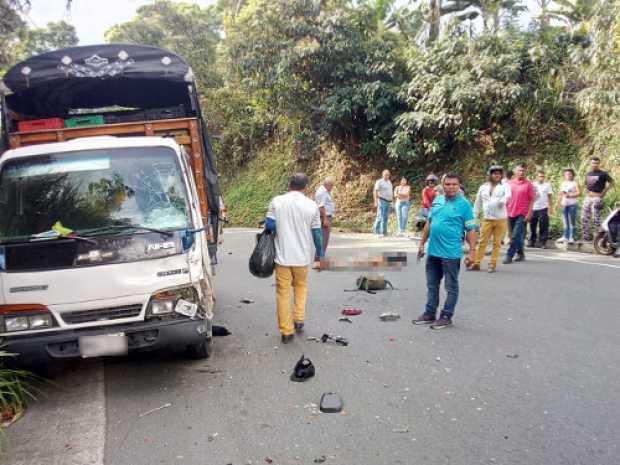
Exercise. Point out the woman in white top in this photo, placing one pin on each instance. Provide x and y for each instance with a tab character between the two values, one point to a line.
568	200
402	194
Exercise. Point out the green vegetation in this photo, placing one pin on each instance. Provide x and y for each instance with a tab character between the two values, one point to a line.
417	86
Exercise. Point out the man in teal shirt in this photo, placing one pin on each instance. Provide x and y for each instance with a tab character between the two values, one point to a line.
451	218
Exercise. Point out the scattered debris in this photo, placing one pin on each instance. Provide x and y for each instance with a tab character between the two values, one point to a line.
339	340
400	430
212	437
330	403
350	311
303	371
246	301
438	359
268	460
320	459
312	338
312	408
155	410
389	316
345	319
220	331
513	356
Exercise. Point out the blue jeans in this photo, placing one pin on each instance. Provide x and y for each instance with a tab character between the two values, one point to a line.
436	269
383	213
518	228
569	215
402	214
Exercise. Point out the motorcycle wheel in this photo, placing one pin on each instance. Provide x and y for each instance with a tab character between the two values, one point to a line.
602	245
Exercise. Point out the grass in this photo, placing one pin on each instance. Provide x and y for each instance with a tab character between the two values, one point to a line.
249	191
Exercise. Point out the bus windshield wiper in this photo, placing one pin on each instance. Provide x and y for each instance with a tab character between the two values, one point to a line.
124	227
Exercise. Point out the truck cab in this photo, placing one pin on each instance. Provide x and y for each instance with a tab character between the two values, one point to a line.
108	206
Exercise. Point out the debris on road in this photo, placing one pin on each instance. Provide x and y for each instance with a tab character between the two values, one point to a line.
330	403
313	338
438	359
155	410
212	437
268	460
303	370
246	301
400	430
513	356
339	340
320	459
351	311
345	319
389	316
220	331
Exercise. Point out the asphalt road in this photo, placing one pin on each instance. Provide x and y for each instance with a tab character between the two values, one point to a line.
528	374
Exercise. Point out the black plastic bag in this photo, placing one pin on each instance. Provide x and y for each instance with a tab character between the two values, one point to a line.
262	261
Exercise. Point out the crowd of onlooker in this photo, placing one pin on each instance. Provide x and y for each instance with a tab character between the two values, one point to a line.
504	205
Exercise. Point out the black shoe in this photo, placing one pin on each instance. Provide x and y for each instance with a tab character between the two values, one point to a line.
442	323
286	338
299	327
520	257
507	260
424	319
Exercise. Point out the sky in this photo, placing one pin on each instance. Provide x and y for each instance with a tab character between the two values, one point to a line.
92	18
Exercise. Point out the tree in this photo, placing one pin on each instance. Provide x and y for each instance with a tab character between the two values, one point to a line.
187	29
54	36
11	28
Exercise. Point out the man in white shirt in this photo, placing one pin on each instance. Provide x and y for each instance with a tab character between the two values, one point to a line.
297	223
539	226
491	201
383	193
327	208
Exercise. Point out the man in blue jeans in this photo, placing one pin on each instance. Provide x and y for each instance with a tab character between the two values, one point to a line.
383	193
451	217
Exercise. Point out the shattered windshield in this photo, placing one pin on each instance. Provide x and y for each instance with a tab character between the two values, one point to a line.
78	192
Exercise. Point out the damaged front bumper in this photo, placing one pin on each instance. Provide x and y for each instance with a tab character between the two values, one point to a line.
142	336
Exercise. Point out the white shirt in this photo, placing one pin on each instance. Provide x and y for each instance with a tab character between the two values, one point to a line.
569	187
324	199
542	195
492	204
295	215
386	192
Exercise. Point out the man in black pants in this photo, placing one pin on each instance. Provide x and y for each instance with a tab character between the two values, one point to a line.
539	226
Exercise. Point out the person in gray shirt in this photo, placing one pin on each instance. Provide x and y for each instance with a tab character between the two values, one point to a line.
383	194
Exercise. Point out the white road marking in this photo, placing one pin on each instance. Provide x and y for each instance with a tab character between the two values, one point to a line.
66	425
574	260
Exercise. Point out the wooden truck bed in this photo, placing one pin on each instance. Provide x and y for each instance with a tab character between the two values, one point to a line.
184	130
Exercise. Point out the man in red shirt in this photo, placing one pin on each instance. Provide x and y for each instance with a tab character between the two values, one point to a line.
520	207
428	193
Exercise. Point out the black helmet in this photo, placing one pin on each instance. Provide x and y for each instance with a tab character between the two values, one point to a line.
303	371
493	168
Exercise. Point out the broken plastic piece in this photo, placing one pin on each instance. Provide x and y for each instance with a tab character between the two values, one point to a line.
389	316
351	311
303	371
345	319
247	301
339	340
330	403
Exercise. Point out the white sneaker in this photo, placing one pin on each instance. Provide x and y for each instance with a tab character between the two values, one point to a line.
571	241
561	240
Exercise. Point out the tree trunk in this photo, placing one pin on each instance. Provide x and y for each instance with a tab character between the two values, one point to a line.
435	20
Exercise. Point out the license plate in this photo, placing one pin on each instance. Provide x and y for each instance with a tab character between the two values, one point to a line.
105	344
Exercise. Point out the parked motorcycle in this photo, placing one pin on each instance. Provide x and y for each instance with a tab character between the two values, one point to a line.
607	240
